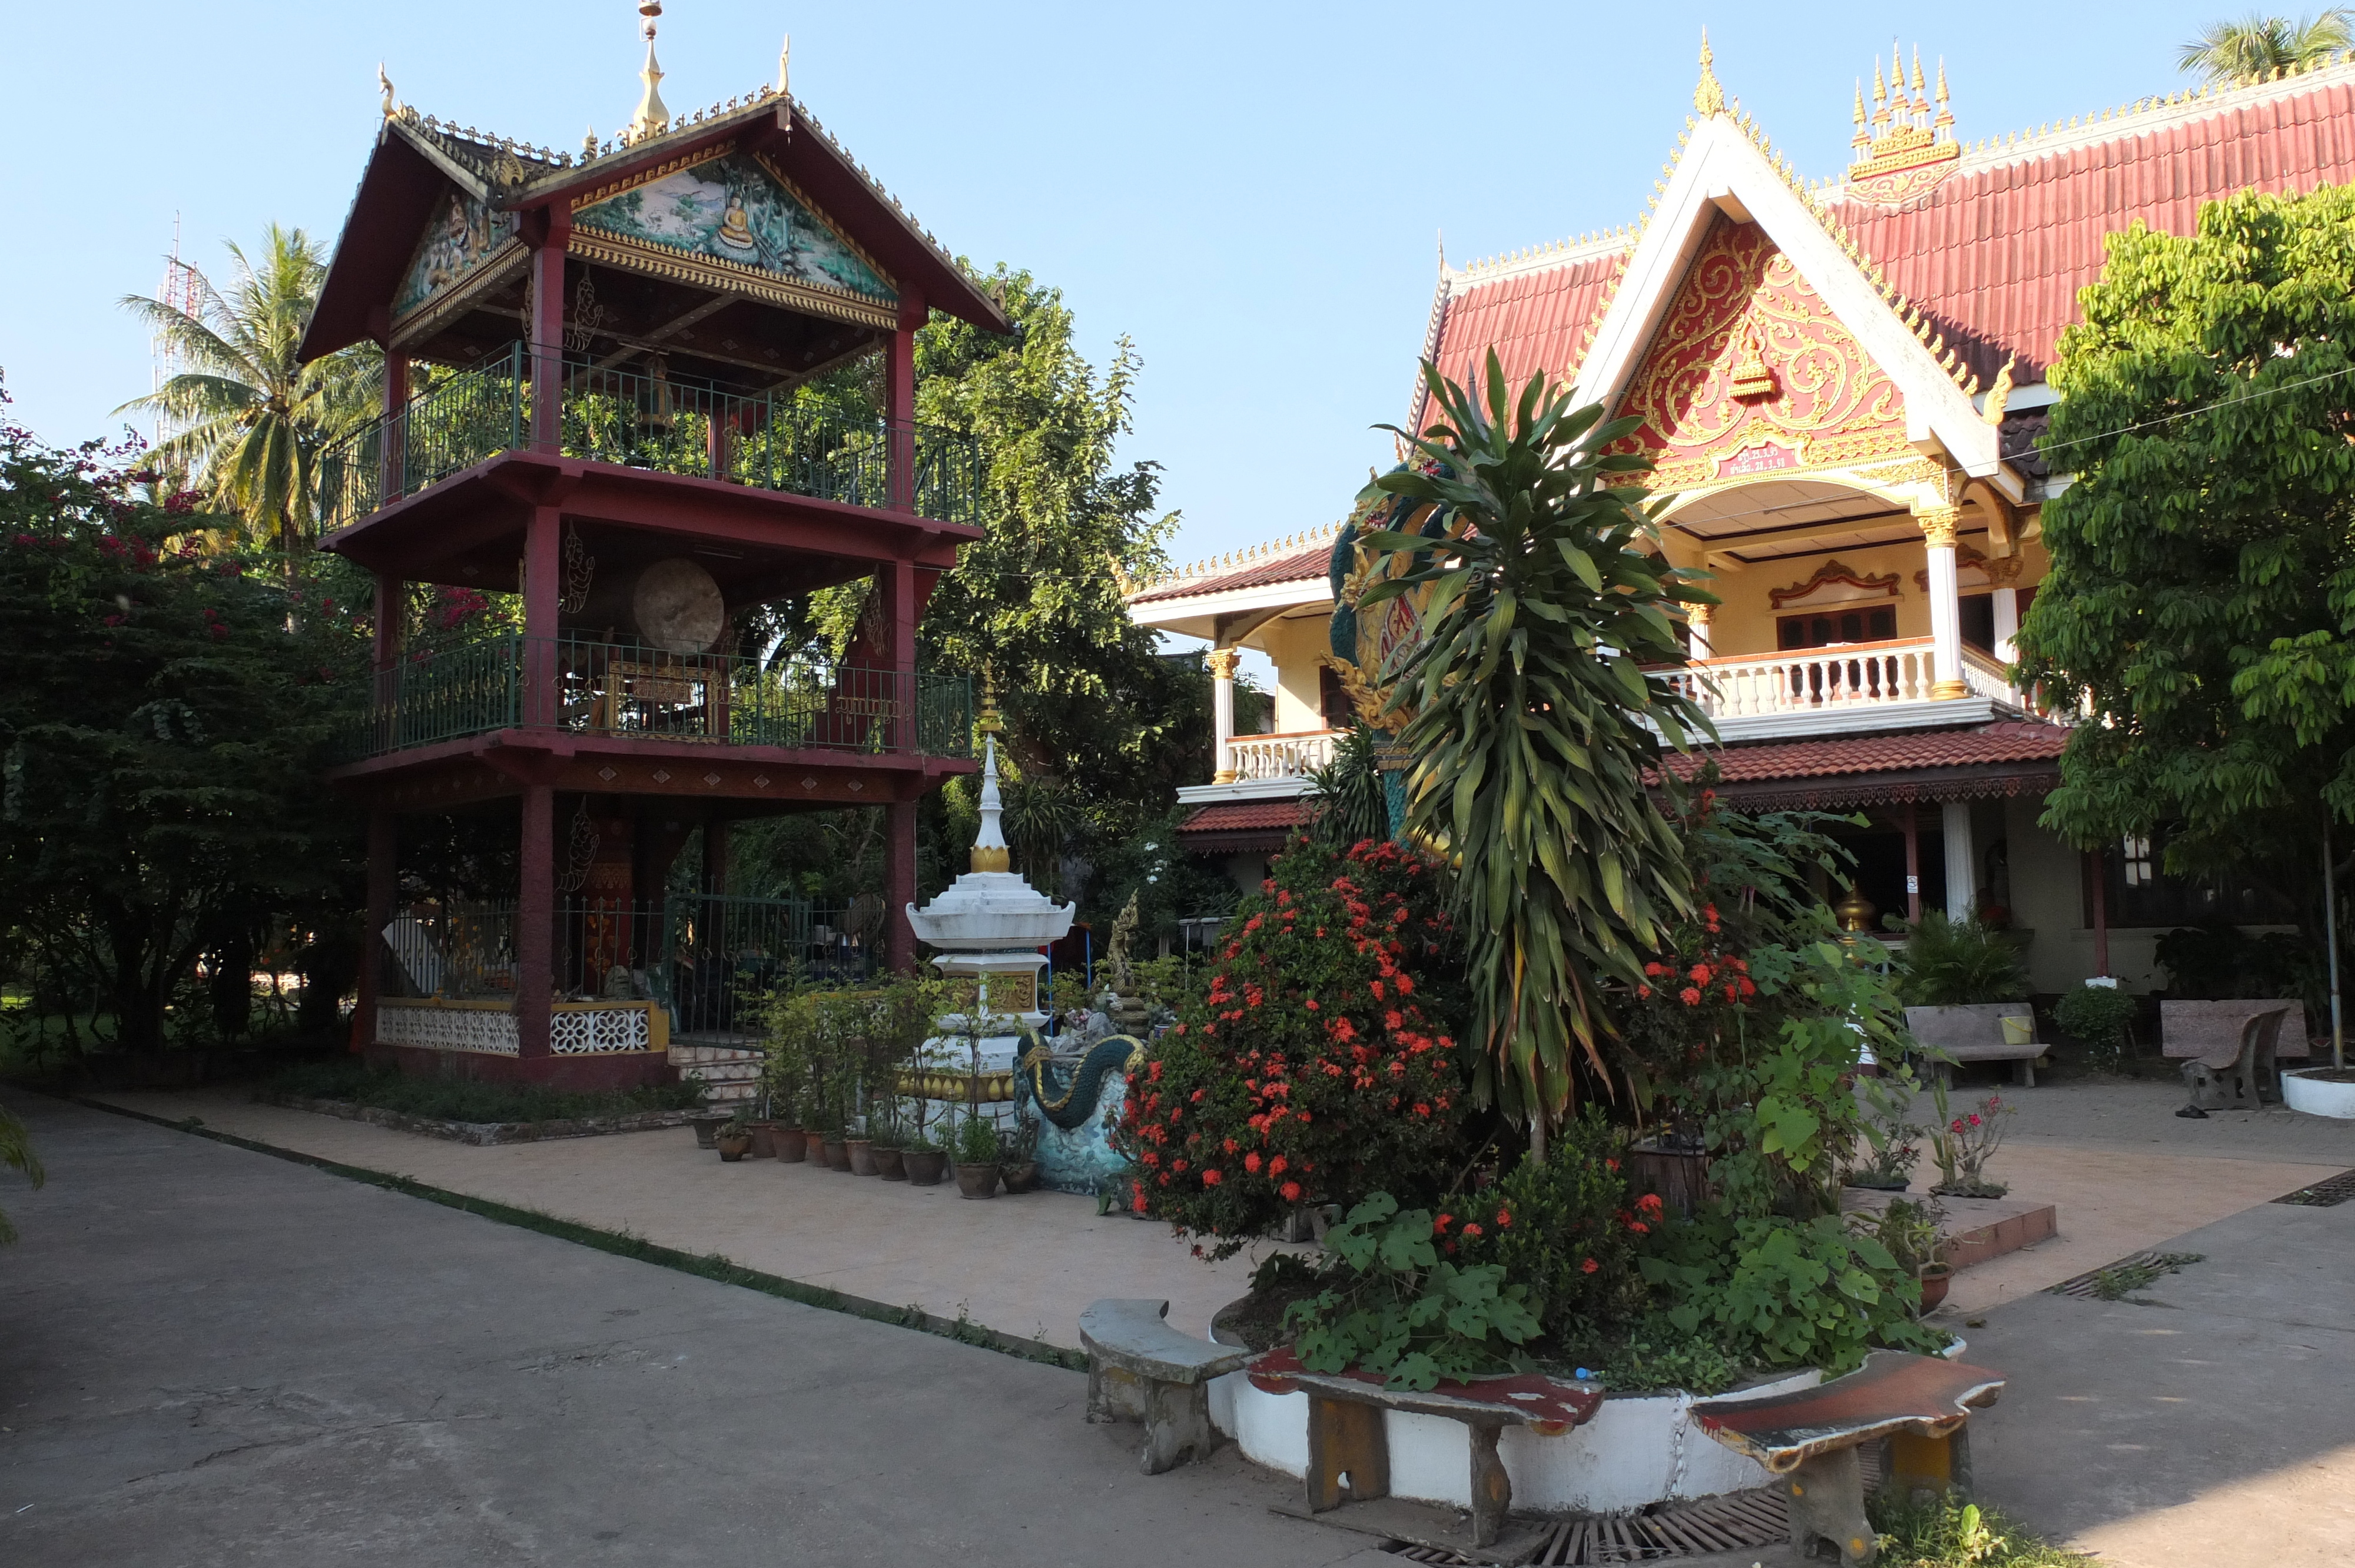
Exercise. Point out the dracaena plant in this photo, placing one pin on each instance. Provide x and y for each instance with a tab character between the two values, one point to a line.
1538	716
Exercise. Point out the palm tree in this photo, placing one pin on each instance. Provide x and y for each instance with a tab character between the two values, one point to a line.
2259	45
249	420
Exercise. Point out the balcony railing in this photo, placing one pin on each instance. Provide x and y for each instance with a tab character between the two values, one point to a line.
759	440
593	687
1845	676
1292	755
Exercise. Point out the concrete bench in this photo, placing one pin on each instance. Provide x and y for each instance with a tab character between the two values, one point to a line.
2212	1029
1140	1369
1810	1437
1348	1450
2234	1078
1974	1033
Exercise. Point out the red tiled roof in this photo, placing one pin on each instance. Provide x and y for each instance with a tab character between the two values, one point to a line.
1997	253
1244	815
1300	565
2001	758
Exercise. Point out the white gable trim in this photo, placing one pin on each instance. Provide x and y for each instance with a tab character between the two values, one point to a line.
1722	170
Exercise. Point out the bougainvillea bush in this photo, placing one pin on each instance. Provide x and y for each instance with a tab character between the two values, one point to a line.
1318	1064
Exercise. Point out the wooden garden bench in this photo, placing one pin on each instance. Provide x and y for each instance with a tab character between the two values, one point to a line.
2232	1079
1976	1034
1348	1450
1810	1437
1140	1369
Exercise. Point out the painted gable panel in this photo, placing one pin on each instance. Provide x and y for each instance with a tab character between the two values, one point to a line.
731	208
1752	373
464	233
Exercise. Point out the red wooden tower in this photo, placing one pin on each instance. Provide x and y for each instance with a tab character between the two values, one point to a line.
589	366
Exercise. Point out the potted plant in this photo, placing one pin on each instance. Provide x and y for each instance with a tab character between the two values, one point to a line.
859	1149
884	1138
1911	1232
923	1161
791	1021
706	1125
735	1139
977	1153
1962	1145
1018	1161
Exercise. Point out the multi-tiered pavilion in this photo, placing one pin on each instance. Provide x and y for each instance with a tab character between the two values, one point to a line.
591	363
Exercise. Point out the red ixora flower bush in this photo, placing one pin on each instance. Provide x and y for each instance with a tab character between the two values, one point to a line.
1316	1064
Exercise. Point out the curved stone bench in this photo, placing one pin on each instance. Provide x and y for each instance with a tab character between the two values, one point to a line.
1809	1438
1140	1369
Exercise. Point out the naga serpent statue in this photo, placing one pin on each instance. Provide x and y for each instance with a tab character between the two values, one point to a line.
1068	1102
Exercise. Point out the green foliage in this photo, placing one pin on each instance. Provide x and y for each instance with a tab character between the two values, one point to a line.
1906	1229
828	1052
165	716
1400	1310
1958	963
1564	1226
16	1152
2256	45
2217	960
2119	1284
1945	1533
1316	1064
2100	1018
1534	722
1776	1291
1149	865
252	419
1654	1354
2203	586
977	1142
1346	794
464	1099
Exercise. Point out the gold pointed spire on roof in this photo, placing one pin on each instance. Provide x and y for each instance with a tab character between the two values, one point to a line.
1912	146
785	65
1708	97
652	116
385	83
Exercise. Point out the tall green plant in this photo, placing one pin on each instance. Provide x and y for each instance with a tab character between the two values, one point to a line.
1535	720
16	1150
1960	963
1347	793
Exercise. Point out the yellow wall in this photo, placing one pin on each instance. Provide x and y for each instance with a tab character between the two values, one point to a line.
1745	623
1291	643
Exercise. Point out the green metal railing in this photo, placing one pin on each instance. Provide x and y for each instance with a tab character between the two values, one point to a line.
759	440
609	688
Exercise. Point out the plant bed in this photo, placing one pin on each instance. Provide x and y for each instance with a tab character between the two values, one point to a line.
435	1104
2321	1091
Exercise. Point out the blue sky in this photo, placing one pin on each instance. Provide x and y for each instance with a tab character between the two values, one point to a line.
1250	192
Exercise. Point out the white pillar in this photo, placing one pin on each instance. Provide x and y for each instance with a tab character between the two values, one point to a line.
1223	663
1962	864
1697	619
1946	602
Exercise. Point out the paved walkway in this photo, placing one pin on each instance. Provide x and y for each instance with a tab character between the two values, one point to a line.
212	1357
1023	1266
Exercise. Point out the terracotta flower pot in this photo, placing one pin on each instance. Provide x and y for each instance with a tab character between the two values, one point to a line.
734	1146
837	1155
888	1166
792	1145
976	1180
706	1129
1936	1278
862	1152
764	1140
923	1166
1022	1178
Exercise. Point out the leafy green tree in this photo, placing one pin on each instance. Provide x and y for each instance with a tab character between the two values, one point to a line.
2258	45
2201	603
1535	726
160	731
17	1151
249	418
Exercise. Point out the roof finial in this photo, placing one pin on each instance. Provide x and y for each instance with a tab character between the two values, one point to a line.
651	117
385	83
784	66
1709	98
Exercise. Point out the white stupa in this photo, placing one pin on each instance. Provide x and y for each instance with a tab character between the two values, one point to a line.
992	922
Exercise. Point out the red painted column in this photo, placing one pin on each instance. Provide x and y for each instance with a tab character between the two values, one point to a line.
1913	811
543	600
536	922
554	229
900	403
392	444
900	886
383	887
391	606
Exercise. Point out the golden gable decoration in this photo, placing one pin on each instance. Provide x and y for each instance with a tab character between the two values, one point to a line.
1911	148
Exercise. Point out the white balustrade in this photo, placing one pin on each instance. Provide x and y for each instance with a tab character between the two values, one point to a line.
1808	679
1294	755
1985	676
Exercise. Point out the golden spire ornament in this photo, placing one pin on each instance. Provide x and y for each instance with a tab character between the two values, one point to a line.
1709	98
652	116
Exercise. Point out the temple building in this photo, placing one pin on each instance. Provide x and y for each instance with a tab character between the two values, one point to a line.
1843	383
591	362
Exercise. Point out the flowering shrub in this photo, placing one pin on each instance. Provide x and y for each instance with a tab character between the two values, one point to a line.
1317	1066
1569	1228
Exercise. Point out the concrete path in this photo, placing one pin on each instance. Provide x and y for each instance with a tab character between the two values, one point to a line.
210	1356
1023	1266
2211	1426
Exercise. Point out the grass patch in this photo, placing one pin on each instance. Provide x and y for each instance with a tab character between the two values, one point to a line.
1943	1534
464	1100
2119	1284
